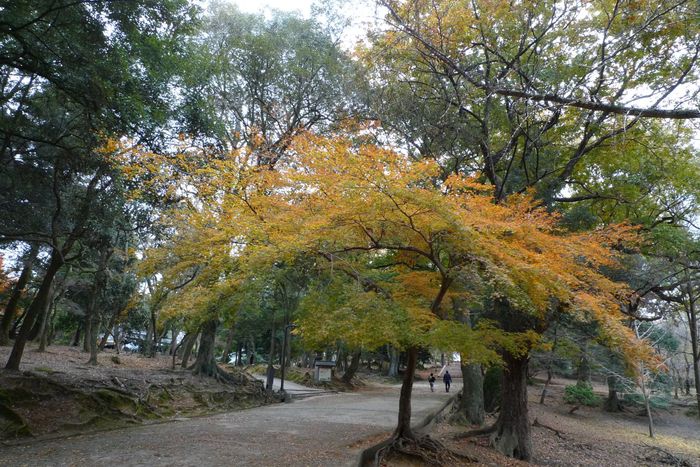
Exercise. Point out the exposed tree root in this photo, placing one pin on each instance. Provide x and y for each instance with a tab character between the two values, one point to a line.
476	433
542	425
663	456
425	448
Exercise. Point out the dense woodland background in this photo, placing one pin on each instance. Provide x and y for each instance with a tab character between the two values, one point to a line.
514	182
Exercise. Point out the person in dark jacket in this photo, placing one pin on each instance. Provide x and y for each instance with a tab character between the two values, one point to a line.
431	380
447	379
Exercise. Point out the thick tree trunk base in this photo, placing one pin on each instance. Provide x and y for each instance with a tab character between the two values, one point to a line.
428	450
512	435
509	442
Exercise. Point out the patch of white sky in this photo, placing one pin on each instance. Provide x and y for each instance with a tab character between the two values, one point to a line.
360	15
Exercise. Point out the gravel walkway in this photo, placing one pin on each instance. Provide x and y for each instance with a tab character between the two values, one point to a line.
318	431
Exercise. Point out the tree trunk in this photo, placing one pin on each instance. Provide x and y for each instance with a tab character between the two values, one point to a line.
546	385
583	373
92	312
148	347
393	362
471	405
252	350
205	364
353	367
239	353
87	328
11	307
612	403
35	309
270	377
173	341
187	351
403	428
228	347
550	361
45	326
76	336
512	436
110	330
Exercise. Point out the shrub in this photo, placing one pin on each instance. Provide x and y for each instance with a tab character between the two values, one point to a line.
581	394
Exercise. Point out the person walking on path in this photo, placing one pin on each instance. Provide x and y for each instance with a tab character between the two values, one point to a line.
431	380
447	379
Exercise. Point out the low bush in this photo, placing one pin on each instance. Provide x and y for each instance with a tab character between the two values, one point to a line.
581	394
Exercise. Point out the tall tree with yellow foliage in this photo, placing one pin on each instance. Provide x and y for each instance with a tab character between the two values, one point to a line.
405	237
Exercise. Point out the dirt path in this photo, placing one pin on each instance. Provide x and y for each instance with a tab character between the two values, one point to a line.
323	430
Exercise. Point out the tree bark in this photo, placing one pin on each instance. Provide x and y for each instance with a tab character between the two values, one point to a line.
612	403
471	405
239	353
512	435
270	379
35	309
403	428
205	364
11	307
228	347
92	311
583	372
393	362
45	325
550	373
76	336
187	351
351	370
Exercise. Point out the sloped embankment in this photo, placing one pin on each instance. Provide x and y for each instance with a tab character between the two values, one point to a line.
50	403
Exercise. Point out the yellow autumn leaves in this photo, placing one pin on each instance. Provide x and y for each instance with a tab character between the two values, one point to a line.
414	244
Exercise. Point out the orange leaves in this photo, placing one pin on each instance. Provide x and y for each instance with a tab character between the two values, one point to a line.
375	213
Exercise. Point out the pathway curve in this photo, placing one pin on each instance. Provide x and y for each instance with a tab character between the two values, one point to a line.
316	431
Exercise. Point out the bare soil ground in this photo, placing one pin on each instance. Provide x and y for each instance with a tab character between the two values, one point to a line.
588	437
57	393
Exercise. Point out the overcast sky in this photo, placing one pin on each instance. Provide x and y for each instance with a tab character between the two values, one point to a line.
255	6
360	12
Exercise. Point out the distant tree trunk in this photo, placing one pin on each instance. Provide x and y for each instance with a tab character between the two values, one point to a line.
239	353
148	347
110	330
403	428
512	429
205	364
353	367
174	332
583	374
393	362
92	311
117	338
471	405
228	347
18	322
270	376
45	326
549	365
252	351
546	384
11	307
188	346
87	327
76	336
612	403
35	309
